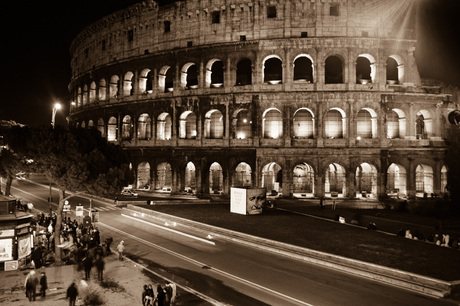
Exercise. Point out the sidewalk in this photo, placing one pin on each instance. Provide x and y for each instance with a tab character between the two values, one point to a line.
126	278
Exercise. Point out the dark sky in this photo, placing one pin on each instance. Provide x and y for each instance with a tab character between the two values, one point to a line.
36	35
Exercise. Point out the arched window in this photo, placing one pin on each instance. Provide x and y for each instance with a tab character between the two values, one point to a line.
214	124
244	72
143	175
396	180
144	127
423	125
90	124
166	79
272	177
112	129
114	90
335	180
303	180
128	89
85	95
333	70
394	70
303	69
366	180
272	124
273	70
145	81
215	73
243	125
423	180
187	125
101	127
365	69
190	178
102	90
242	175
396	124
164	124
216	179
366	124
303	124
334	124
189	76
79	94
444	180
92	92
164	177
126	128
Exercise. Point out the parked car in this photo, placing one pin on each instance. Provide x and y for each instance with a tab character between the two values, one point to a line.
128	192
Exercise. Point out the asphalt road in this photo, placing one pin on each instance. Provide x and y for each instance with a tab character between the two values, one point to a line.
225	272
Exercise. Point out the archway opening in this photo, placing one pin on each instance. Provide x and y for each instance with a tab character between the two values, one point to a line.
216	179
242	177
335	181
366	181
272	178
303	181
396	181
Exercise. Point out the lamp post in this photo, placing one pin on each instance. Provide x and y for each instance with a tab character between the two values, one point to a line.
56	107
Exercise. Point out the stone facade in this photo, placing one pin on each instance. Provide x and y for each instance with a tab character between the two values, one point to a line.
307	98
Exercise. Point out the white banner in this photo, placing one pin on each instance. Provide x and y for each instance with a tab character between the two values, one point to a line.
24	246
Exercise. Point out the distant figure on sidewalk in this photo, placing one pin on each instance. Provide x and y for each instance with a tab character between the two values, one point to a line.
87	265
43	284
160	296
121	249
171	290
99	263
108	241
31	283
72	294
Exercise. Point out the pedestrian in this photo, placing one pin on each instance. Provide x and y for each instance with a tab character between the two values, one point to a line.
87	265
108	242
321	202
160	296
99	263
171	290
43	284
72	293
144	294
120	249
31	285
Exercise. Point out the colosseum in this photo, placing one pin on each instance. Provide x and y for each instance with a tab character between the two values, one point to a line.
305	98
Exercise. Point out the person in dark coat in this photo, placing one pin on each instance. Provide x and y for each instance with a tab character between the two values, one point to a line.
87	265
72	294
99	263
32	282
43	284
160	296
37	257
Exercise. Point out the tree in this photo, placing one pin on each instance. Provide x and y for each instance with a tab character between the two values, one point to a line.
453	165
77	160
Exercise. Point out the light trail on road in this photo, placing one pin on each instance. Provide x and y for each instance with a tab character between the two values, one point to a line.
200	264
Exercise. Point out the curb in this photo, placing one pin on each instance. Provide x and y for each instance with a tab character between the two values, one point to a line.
401	279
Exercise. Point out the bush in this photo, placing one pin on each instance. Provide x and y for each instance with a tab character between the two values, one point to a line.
93	298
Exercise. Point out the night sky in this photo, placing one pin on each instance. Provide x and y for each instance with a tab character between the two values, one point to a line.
36	35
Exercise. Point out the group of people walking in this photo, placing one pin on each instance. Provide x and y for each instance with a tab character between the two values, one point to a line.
159	297
31	283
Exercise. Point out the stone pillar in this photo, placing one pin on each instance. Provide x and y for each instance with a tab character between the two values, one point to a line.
411	179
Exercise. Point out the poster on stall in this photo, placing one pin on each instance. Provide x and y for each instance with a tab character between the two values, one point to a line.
24	246
6	249
238	200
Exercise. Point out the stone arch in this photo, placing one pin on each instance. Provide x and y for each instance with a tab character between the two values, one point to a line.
395	69
303	180
145	81
90	123
366	180
396	124
303	123
143	175
85	95
444	180
164	177
114	86
166	79
423	124
365	69
335	123
272	71
214	73
272	123
214	125
243	124
190	178
366	123
272	177
187	125
101	127
112	129
334	70
335	183
216	179
164	126
144	127
128	88
244	72
189	76
396	180
423	180
83	124
304	70
242	176
126	128
92	92
102	89
79	95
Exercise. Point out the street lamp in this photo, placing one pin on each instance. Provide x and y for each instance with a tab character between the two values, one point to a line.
56	107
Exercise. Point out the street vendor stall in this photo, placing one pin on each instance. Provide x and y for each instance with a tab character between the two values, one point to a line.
16	238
